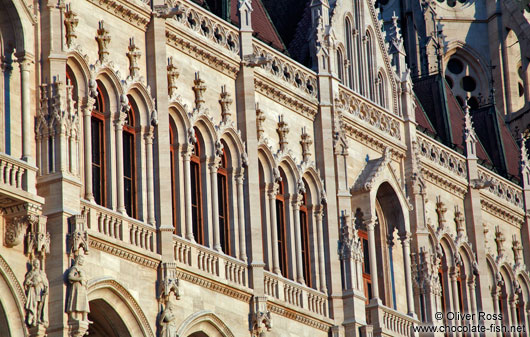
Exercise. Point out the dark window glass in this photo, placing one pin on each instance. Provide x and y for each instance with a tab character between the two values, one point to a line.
98	161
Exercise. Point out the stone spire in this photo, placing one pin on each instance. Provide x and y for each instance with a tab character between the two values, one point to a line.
470	137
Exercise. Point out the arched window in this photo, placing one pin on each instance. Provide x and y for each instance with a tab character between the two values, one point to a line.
129	163
222	197
370	64
196	194
304	233
173	177
99	149
281	229
349	52
340	65
381	90
367	277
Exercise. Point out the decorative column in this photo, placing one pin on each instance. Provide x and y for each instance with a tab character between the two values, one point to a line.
320	238
297	200
213	166
118	128
241	215
149	136
26	62
87	130
454	288
495	294
405	243
473	300
187	151
370	229
273	191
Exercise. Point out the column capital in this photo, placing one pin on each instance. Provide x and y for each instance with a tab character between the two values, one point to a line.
240	175
25	60
187	151
149	134
296	200
370	223
272	190
120	120
405	238
214	163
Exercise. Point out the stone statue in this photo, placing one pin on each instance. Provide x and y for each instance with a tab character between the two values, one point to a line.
77	304
36	285
167	320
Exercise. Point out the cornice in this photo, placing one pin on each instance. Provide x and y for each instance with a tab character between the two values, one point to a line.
123	253
128	11
202	52
296	316
359	133
494	208
214	286
280	94
443	181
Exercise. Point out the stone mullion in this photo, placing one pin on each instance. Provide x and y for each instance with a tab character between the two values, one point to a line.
320	244
370	229
274	228
213	167
150	180
186	156
241	216
297	199
118	128
87	130
405	244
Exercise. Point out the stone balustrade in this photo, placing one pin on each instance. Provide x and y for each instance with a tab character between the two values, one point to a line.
442	157
16	175
212	264
358	108
389	322
115	226
294	294
288	71
502	188
208	25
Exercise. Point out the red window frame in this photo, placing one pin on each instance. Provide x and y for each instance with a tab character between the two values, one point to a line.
304	234
367	275
99	152
129	134
196	194
281	231
223	203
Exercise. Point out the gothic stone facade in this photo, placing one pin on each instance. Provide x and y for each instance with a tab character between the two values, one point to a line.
163	172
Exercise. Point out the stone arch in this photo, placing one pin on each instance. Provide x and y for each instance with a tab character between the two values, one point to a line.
11	303
181	122
290	170
81	71
110	81
115	296
144	102
316	189
205	322
207	134
392	190
236	147
19	28
266	163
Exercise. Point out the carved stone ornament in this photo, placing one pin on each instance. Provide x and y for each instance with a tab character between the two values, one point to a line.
168	319
37	239
260	119
78	236
70	22
499	240
252	60
77	301
306	143
517	252
14	232
36	286
169	283
57	113
225	102
166	12
440	211
261	320
172	76
425	271
103	39
199	88
350	244
133	55
283	130
168	294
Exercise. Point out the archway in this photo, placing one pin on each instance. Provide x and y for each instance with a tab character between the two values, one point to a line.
198	334
204	324
106	321
4	324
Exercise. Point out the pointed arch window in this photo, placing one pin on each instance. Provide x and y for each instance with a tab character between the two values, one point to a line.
129	163
367	277
196	194
349	52
370	65
304	233
98	127
381	90
222	197
281	229
173	177
340	65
